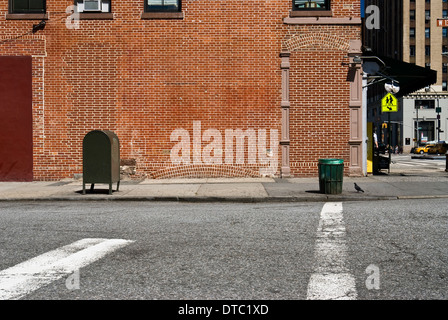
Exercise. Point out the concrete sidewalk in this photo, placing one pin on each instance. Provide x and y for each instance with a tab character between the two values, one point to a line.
377	187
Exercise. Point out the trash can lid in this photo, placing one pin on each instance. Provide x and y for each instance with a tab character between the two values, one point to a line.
331	161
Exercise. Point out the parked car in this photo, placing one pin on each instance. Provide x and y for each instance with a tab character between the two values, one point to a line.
438	148
423	149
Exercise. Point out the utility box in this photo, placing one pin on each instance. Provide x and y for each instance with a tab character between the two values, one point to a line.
100	159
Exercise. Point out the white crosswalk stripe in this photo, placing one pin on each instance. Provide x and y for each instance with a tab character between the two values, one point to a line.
28	276
429	163
331	279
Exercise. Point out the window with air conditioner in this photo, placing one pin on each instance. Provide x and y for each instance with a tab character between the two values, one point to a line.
93	6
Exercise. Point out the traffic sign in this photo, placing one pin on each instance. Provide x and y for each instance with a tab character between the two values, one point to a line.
389	103
442	22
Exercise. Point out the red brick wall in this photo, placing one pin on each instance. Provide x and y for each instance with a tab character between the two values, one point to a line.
319	125
143	79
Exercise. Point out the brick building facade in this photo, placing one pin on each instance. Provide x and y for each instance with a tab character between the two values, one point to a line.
217	88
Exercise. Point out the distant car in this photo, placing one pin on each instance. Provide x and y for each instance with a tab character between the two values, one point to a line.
423	149
438	148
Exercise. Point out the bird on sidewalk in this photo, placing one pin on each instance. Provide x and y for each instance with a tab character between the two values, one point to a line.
358	188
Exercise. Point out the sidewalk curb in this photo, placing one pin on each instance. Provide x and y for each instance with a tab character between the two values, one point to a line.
437	196
276	199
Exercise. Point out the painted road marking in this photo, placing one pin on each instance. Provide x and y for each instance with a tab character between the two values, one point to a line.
28	276
331	279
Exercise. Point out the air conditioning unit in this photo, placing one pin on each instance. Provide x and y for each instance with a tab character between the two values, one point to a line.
92	5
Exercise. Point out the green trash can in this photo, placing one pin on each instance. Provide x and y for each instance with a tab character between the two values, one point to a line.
331	172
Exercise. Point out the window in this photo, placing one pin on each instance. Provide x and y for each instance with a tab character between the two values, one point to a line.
427	15
412	32
425	131
444	68
427	33
445	13
311	5
412	51
425	104
427	50
27	6
444	86
93	6
163	5
412	15
445	32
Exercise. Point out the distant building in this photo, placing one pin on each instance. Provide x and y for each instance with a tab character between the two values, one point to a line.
405	34
424	43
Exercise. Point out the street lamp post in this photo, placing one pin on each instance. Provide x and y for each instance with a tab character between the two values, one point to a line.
427	89
390	88
418	131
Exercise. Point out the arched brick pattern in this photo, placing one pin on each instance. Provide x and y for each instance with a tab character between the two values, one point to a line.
315	41
204	171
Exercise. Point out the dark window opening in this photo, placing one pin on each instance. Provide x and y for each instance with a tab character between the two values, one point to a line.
311	5
163	5
27	6
425	104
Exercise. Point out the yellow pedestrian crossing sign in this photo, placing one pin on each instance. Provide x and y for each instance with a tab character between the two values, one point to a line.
389	103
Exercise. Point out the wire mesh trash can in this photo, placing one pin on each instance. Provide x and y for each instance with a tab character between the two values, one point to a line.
331	172
101	159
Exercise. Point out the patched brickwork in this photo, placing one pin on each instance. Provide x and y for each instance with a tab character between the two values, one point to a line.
319	125
218	66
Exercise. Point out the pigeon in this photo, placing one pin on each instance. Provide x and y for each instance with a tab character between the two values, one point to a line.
358	188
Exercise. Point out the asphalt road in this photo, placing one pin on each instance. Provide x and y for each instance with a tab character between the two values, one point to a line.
392	249
418	164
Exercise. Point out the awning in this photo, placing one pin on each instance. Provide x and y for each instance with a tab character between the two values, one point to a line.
410	77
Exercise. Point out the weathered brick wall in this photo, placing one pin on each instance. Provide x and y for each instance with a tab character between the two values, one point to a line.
218	68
